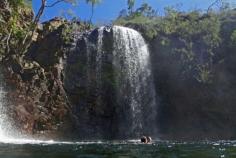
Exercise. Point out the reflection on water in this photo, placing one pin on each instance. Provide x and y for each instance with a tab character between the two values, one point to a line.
117	149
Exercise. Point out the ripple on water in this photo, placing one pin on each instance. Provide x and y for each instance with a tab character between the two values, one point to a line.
126	148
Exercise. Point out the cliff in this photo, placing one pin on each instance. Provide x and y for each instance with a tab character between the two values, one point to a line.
193	66
192	59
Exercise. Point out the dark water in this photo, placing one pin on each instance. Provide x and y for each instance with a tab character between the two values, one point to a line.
120	149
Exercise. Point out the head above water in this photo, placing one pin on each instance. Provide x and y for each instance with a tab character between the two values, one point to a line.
146	139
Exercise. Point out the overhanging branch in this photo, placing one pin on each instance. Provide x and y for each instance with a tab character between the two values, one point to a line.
212	4
53	4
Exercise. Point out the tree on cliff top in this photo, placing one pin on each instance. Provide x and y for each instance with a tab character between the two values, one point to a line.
28	38
130	4
15	19
93	3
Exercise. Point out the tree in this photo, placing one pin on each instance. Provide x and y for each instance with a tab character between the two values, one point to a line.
93	3
213	4
15	19
146	10
28	38
130	4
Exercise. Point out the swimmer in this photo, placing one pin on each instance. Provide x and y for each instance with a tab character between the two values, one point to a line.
146	139
149	139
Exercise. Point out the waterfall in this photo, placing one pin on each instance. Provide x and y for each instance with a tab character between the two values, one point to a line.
6	129
99	65
3	117
132	61
109	81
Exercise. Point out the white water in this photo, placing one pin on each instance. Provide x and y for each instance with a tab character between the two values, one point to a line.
8	134
2	115
99	65
6	129
45	142
132	61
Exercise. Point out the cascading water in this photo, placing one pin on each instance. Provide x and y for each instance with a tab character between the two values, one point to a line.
99	64
3	117
8	133
109	81
135	91
7	130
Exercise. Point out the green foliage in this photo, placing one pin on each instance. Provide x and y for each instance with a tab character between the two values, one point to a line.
191	38
233	37
72	27
130	4
93	3
15	19
146	11
204	74
144	16
16	3
66	33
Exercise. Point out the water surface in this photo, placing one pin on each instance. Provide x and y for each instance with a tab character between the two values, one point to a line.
117	149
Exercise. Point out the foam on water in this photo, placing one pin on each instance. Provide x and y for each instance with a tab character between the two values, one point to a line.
53	142
45	142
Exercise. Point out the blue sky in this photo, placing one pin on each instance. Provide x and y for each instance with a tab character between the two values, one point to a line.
109	9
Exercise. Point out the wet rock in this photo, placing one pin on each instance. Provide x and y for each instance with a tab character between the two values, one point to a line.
35	87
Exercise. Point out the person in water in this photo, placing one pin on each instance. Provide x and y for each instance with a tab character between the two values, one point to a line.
149	139
146	139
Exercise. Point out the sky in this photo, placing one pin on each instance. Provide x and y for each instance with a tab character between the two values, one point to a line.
109	9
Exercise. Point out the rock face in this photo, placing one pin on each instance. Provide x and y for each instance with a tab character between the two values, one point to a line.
109	84
68	85
191	110
92	105
96	86
36	95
